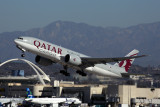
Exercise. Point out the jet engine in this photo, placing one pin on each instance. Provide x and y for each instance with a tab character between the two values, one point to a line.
43	61
73	59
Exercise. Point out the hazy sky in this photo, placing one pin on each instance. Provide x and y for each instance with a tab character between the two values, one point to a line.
21	15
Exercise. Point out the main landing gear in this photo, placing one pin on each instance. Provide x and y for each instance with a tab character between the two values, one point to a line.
64	72
81	73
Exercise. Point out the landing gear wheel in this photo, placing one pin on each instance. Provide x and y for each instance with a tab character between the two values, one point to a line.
67	74
84	74
23	55
64	73
81	73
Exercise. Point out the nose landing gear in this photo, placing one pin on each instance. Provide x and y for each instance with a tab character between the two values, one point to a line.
22	55
23	50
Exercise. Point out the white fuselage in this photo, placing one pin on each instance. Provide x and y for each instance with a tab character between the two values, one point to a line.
55	53
53	100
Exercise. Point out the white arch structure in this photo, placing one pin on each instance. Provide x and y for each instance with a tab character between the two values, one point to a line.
34	67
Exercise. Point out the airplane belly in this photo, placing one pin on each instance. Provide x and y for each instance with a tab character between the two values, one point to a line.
100	71
39	51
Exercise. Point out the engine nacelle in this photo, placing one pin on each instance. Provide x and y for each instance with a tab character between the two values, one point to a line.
73	59
43	61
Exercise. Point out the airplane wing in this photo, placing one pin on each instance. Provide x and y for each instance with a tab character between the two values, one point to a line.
92	61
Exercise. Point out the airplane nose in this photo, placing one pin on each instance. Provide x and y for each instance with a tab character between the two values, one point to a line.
17	42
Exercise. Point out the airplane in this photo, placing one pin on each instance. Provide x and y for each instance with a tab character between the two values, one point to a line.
10	102
31	99
48	53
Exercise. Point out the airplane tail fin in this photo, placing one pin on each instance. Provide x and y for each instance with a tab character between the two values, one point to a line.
29	93
126	64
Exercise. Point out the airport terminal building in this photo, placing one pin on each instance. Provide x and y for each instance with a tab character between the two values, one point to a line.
107	95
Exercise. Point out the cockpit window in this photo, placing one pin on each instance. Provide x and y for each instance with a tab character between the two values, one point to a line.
20	38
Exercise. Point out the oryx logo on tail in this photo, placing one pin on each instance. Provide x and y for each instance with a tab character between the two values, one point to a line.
127	63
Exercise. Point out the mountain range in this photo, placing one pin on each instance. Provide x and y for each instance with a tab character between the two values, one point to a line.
91	40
